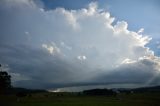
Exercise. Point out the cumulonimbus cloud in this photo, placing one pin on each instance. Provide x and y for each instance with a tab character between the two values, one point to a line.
62	46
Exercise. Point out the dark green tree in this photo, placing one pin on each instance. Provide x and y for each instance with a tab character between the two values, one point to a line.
5	81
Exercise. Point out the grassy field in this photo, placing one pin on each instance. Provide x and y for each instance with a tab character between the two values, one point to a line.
68	99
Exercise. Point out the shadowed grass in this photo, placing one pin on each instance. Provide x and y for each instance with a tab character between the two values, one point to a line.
52	99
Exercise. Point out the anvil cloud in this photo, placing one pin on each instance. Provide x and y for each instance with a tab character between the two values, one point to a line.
48	48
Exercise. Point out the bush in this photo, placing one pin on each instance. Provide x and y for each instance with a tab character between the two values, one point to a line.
5	82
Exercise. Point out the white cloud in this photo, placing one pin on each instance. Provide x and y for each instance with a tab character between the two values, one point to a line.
27	33
81	57
128	61
141	31
18	77
84	34
66	46
4	67
92	8
121	26
158	46
19	3
52	49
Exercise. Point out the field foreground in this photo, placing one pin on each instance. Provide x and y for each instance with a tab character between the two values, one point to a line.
76	99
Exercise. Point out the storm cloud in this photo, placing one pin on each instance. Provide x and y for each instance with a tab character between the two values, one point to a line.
46	48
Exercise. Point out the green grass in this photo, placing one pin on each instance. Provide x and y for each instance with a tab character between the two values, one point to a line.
51	99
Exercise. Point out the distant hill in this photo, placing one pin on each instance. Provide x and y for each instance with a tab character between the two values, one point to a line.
97	91
108	92
147	89
24	90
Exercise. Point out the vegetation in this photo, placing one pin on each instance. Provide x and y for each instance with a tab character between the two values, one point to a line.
126	97
5	81
78	99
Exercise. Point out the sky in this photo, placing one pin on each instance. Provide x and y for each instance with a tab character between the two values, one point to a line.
56	43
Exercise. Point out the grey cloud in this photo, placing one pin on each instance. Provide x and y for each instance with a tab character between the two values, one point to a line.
141	73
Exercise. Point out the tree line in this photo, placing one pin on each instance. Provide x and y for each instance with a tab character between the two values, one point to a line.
5	81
